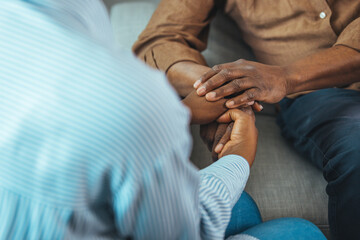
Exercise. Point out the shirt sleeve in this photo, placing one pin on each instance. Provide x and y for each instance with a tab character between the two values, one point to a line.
179	27
221	186
350	36
175	201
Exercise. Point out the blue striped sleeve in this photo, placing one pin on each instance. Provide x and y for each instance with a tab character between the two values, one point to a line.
221	186
94	144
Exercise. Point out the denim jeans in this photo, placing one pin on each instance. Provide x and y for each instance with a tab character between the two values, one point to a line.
324	126
246	224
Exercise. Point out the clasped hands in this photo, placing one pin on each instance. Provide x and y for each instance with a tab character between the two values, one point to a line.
236	85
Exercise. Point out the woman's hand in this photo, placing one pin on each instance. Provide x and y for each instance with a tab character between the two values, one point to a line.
215	135
243	137
249	81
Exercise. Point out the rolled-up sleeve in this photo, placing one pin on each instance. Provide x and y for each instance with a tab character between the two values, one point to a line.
177	31
350	36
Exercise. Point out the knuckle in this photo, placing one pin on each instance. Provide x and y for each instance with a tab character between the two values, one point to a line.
241	61
250	95
237	84
225	73
216	68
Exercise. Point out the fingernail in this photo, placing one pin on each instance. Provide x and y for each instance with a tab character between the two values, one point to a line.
197	84
230	104
211	95
219	147
261	107
201	91
251	103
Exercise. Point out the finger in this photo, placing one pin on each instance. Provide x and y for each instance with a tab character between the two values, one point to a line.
225	138
257	107
233	87
205	77
247	98
207	134
233	115
249	111
214	70
241	63
220	131
217	80
240	119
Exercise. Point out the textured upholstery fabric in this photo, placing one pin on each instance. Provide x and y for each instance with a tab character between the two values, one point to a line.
282	183
129	18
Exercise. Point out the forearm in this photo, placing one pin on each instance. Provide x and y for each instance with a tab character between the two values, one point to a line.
334	67
182	76
171	37
203	111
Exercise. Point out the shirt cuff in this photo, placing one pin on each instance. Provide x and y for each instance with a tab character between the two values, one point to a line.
350	36
233	171
165	55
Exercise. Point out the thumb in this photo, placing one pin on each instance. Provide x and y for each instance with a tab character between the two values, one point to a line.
235	114
231	115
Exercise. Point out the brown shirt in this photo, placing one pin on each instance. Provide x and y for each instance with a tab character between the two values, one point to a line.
279	32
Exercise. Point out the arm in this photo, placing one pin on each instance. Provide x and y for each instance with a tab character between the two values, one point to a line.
165	197
182	76
223	181
177	32
333	67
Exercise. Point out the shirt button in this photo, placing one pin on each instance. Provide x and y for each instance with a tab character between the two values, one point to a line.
322	15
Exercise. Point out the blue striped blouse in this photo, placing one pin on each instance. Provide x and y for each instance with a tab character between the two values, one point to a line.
94	144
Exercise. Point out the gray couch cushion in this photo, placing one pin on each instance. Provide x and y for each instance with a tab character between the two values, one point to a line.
129	18
282	183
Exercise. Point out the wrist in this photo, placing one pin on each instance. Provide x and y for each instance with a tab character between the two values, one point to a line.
182	76
291	79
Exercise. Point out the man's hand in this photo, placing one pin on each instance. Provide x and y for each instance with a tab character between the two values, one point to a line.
243	137
250	81
215	135
203	111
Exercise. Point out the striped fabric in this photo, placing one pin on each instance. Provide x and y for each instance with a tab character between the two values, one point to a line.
93	144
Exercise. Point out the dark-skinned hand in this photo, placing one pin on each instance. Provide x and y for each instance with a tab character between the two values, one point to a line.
203	111
243	137
215	135
249	81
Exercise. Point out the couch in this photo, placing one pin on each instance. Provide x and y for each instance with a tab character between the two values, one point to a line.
282	183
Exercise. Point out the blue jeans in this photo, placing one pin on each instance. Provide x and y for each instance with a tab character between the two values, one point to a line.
246	223
324	126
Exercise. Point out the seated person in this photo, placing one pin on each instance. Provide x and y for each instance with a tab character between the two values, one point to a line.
301	46
95	145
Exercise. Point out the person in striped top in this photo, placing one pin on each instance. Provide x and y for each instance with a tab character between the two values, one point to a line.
95	145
